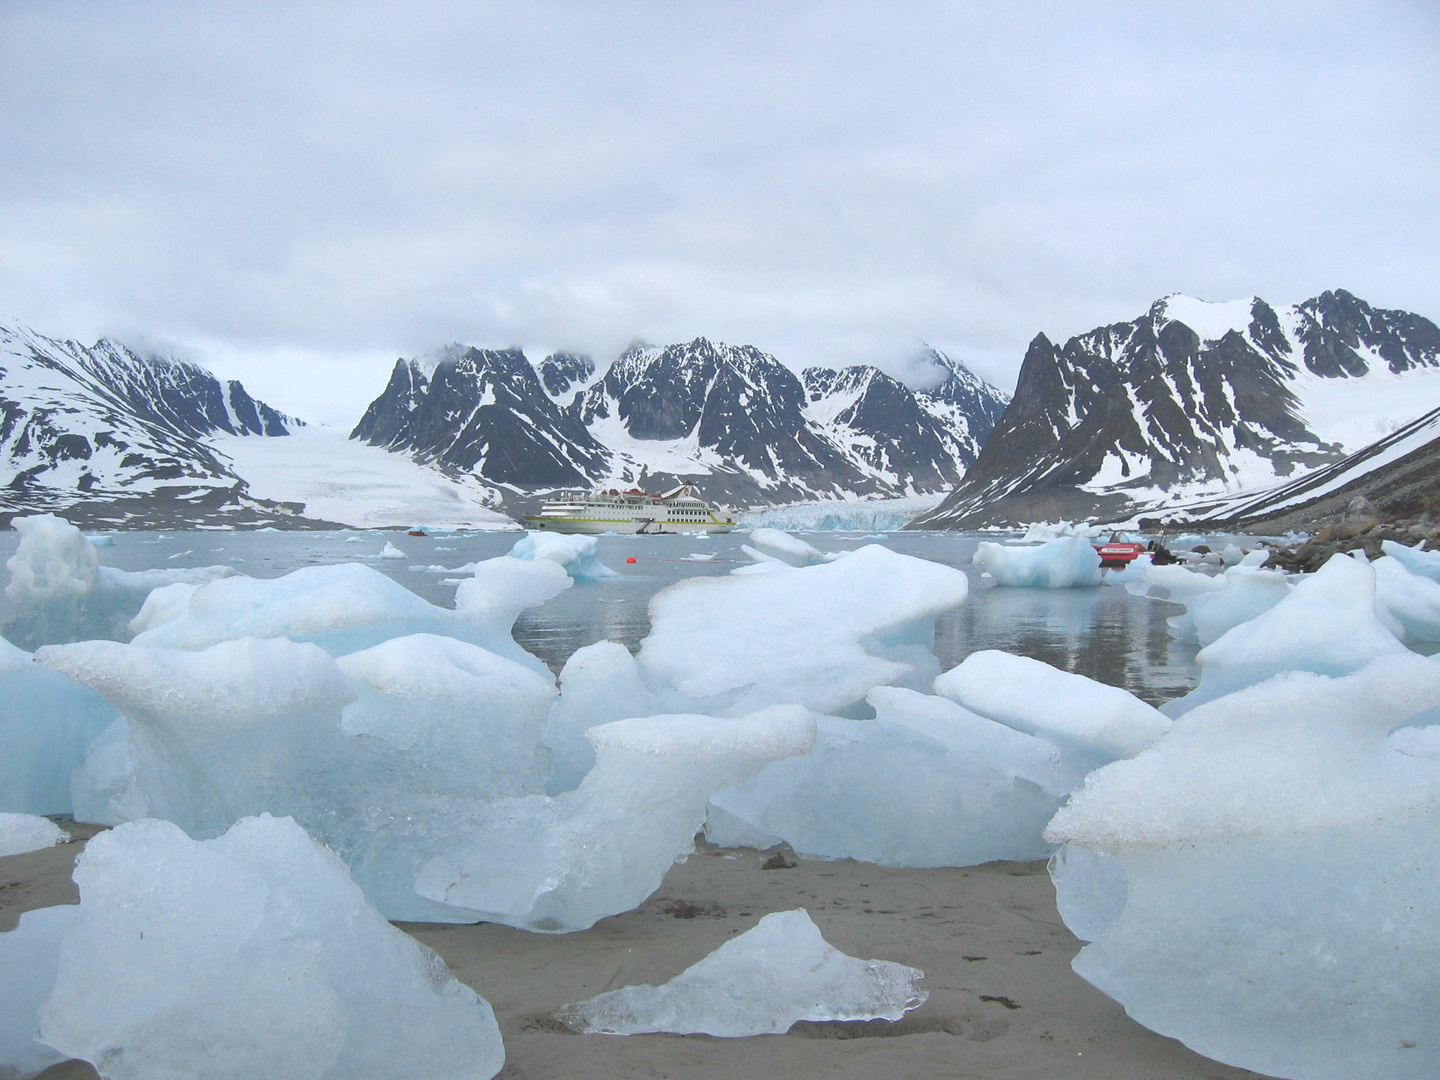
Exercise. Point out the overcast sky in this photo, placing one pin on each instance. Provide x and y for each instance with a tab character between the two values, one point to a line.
296	194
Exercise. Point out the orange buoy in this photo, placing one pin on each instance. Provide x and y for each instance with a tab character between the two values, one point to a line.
630	559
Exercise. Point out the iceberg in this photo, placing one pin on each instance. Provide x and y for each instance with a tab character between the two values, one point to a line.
1094	723
560	864
773	545
600	683
21	833
46	725
1327	624
29	962
575	553
249	955
460	718
1424	563
1410	599
764	981
59	592
925	783
822	636
1261	883
1067	563
347	607
1214	604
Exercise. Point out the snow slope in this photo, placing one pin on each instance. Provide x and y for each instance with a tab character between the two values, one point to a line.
347	481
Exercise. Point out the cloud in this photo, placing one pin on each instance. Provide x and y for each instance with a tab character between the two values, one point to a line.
297	191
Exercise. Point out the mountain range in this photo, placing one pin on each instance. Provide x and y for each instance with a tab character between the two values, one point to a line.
113	437
732	419
1194	401
1242	412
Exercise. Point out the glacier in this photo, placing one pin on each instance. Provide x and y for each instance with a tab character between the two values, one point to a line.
763	982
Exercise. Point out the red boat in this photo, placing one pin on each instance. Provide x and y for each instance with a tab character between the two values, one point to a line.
1116	554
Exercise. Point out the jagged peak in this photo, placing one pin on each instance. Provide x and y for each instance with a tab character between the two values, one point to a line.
426	363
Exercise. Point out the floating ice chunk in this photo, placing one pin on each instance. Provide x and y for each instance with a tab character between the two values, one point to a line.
600	683
349	606
46	724
760	983
60	592
822	636
1247	594
1424	563
775	544
1410	599
250	955
29	960
560	864
344	606
1278	856
575	553
1066	563
215	735
163	604
1041	531
1327	624
1096	722
467	720
1174	583
390	551
20	833
925	783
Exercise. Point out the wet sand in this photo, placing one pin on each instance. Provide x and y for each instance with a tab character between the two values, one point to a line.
1003	1001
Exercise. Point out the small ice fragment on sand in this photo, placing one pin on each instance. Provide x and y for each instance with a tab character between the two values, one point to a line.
20	833
759	983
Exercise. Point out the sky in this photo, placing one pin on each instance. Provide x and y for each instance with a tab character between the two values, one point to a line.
297	194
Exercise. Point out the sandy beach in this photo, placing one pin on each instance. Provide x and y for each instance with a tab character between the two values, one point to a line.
1003	1001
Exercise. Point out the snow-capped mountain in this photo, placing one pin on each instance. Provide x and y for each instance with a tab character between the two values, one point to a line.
1194	400
731	418
485	412
1398	477
109	435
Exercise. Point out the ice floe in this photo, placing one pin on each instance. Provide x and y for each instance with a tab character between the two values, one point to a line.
763	982
1065	563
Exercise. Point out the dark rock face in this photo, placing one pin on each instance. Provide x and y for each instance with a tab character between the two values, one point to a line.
731	418
562	372
482	411
1122	418
104	423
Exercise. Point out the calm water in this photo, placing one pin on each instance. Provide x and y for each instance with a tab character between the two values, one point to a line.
1104	632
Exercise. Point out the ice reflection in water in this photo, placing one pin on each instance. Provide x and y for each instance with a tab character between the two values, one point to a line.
1104	632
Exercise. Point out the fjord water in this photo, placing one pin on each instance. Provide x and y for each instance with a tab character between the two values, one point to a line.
1104	633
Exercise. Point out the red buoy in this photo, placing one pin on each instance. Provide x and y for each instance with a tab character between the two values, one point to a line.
630	559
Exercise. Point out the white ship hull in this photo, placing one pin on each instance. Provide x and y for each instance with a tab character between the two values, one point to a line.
628	513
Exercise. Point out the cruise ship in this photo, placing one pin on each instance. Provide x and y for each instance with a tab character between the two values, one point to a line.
680	510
